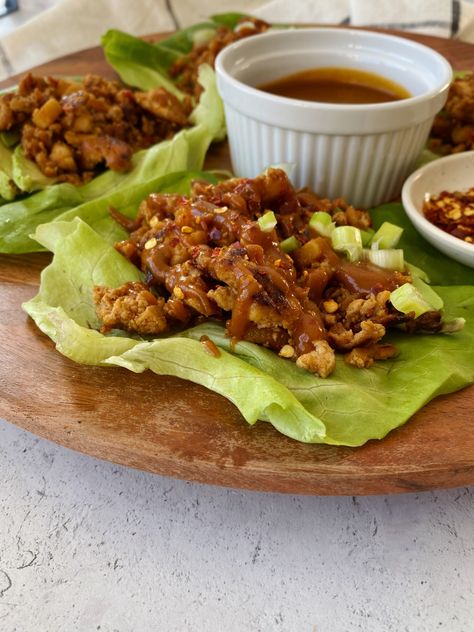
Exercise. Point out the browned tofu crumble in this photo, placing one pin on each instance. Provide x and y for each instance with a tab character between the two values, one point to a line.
72	129
205	256
453	127
186	68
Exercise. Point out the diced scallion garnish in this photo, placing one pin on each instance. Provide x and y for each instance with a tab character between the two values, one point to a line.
387	236
367	236
347	239
417	272
202	36
407	298
391	258
451	326
322	223
428	293
267	221
289	244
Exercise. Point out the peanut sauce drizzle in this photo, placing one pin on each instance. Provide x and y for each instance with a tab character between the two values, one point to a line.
262	274
210	346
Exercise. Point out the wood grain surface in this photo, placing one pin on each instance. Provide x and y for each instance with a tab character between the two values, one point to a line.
177	428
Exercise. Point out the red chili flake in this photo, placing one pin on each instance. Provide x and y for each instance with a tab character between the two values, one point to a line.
453	212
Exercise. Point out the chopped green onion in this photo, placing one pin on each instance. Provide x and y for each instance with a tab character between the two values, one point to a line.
417	272
202	36
289	244
407	298
391	258
428	293
451	326
387	236
347	239
322	223
367	236
267	222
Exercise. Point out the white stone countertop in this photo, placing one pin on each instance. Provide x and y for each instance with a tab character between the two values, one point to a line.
92	546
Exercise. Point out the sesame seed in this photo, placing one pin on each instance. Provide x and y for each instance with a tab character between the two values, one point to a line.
286	351
330	306
151	243
186	229
455	213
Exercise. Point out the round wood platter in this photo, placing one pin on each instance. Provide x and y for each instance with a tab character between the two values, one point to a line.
176	428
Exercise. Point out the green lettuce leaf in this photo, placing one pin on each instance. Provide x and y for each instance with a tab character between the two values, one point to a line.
185	151
145	64
426	156
26	174
139	63
96	212
228	19
8	189
348	408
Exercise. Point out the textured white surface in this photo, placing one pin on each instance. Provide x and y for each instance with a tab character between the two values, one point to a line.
87	545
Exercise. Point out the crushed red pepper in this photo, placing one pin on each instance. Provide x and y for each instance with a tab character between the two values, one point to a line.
453	212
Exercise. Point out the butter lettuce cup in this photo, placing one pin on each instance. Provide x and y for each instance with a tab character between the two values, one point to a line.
362	152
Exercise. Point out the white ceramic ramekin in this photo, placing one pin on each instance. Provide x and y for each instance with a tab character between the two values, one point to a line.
451	173
360	152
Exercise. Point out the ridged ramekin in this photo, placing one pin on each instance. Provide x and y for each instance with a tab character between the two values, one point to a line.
360	152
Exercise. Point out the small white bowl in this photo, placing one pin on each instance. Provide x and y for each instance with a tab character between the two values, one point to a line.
452	173
361	152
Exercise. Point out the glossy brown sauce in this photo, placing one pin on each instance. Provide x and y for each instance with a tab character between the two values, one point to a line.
337	85
306	321
209	257
366	278
362	277
274	272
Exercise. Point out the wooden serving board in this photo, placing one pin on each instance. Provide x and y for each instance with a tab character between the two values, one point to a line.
177	428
